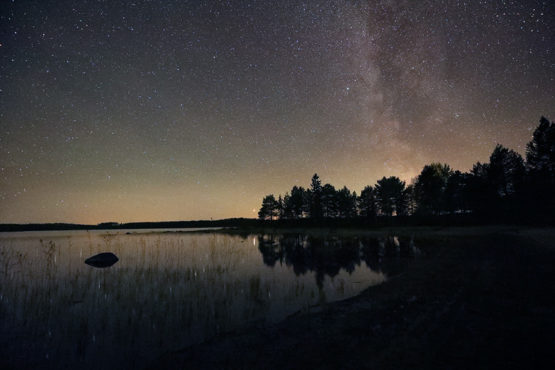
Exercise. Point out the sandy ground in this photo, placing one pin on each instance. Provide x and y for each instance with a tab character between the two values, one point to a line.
483	299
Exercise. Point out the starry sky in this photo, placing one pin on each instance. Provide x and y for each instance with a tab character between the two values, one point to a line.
177	110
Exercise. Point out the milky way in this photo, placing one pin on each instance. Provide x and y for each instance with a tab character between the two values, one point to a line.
176	110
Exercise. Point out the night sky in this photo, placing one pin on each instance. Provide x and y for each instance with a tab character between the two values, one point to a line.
177	110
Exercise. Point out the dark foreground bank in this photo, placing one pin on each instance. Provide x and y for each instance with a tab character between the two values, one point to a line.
484	300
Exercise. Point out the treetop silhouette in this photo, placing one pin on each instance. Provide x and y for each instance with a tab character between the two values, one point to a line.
506	185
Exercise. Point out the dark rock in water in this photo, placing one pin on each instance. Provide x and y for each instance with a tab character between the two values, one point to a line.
106	259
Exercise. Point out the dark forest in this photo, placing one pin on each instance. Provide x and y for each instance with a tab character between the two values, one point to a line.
508	188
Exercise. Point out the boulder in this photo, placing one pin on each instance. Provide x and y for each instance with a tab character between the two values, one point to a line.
102	260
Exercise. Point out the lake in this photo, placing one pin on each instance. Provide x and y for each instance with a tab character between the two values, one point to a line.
170	288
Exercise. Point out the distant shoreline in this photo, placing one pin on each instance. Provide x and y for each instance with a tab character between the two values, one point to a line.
232	222
252	223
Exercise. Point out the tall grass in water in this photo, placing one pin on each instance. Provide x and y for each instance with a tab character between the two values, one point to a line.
166	291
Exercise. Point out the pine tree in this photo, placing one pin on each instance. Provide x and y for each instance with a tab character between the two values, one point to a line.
315	210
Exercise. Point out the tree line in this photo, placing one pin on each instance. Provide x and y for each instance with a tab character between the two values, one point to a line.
507	184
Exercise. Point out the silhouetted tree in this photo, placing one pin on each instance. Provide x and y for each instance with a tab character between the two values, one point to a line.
366	203
329	201
455	196
346	203
307	201
506	171
540	165
269	209
540	152
479	190
389	193
280	207
429	188
315	192
295	202
287	212
405	204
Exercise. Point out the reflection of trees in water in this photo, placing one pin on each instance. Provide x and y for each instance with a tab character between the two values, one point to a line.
389	255
328	255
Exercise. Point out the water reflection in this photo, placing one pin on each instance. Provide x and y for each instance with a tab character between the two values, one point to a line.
328	255
168	291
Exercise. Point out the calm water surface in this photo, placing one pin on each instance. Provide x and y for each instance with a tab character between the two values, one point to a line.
169	289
